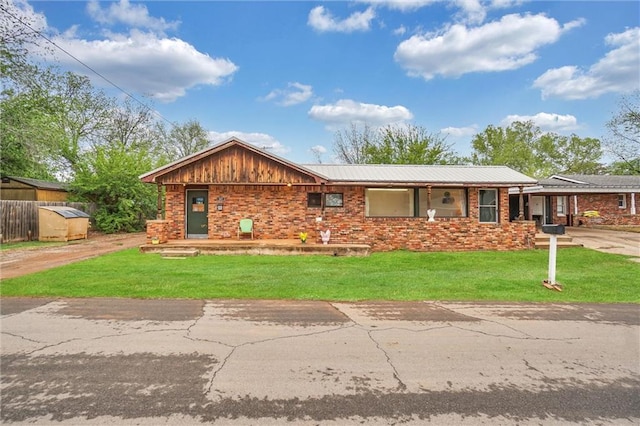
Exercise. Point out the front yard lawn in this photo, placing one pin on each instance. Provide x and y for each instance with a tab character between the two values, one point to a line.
587	276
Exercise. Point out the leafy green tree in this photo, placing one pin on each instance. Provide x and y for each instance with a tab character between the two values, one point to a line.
623	140
523	147
18	35
409	144
579	155
25	144
512	146
109	178
182	139
80	116
625	167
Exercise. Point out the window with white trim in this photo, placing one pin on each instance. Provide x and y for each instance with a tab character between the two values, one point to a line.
488	205
561	205
622	201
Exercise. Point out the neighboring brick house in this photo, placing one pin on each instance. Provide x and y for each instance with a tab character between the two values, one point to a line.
564	199
385	206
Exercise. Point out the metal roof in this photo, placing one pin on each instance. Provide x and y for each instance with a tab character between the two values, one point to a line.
391	173
66	212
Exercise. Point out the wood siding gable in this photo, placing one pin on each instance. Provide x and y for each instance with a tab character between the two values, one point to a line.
233	162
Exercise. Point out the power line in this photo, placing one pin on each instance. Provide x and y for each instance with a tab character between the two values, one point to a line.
18	19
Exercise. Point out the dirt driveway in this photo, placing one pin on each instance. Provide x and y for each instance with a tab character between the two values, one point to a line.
17	262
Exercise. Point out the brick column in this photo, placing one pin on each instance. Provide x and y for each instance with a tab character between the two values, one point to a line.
157	229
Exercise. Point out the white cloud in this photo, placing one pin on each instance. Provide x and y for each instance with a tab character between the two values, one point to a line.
322	20
123	12
401	5
616	72
401	30
162	68
470	11
547	122
260	140
295	93
507	44
460	132
347	111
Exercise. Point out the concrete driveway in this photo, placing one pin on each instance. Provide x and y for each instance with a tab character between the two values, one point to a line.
616	242
151	362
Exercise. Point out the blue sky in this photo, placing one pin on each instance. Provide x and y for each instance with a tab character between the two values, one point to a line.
287	75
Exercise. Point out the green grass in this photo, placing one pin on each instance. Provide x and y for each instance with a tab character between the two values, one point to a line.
587	276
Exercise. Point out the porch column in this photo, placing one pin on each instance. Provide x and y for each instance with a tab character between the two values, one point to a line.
633	203
428	197
575	205
521	203
159	213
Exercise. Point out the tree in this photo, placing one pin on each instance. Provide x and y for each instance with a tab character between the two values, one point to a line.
25	145
350	145
131	125
80	116
409	144
523	147
19	28
624	167
182	140
110	178
579	155
623	140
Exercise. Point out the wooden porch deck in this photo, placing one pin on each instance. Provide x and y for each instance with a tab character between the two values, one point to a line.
193	247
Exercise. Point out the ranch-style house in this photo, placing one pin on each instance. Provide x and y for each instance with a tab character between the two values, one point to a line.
388	207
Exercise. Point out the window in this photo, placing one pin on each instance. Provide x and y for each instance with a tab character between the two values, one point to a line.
622	201
389	202
561	205
314	199
448	202
331	199
488	205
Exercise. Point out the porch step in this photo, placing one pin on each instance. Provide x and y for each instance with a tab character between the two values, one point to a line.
543	241
180	253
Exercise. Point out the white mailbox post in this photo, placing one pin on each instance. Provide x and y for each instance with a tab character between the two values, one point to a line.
553	231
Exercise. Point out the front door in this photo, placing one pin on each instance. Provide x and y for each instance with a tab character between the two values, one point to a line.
197	209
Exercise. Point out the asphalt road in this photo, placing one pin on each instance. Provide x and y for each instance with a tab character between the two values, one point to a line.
150	362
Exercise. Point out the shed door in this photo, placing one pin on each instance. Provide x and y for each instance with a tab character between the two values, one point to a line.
197	209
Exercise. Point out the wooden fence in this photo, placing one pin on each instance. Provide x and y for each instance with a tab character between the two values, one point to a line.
19	219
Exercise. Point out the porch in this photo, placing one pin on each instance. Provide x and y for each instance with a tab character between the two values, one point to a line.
194	247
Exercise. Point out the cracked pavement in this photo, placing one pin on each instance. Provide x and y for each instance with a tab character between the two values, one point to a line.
248	362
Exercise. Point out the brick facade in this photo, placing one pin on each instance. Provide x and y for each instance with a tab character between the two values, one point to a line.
281	212
605	204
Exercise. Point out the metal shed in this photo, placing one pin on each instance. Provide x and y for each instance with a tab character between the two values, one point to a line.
61	223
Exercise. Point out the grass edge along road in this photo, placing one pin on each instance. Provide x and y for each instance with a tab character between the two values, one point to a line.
587	276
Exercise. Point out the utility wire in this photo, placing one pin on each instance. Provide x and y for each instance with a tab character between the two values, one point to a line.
18	19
